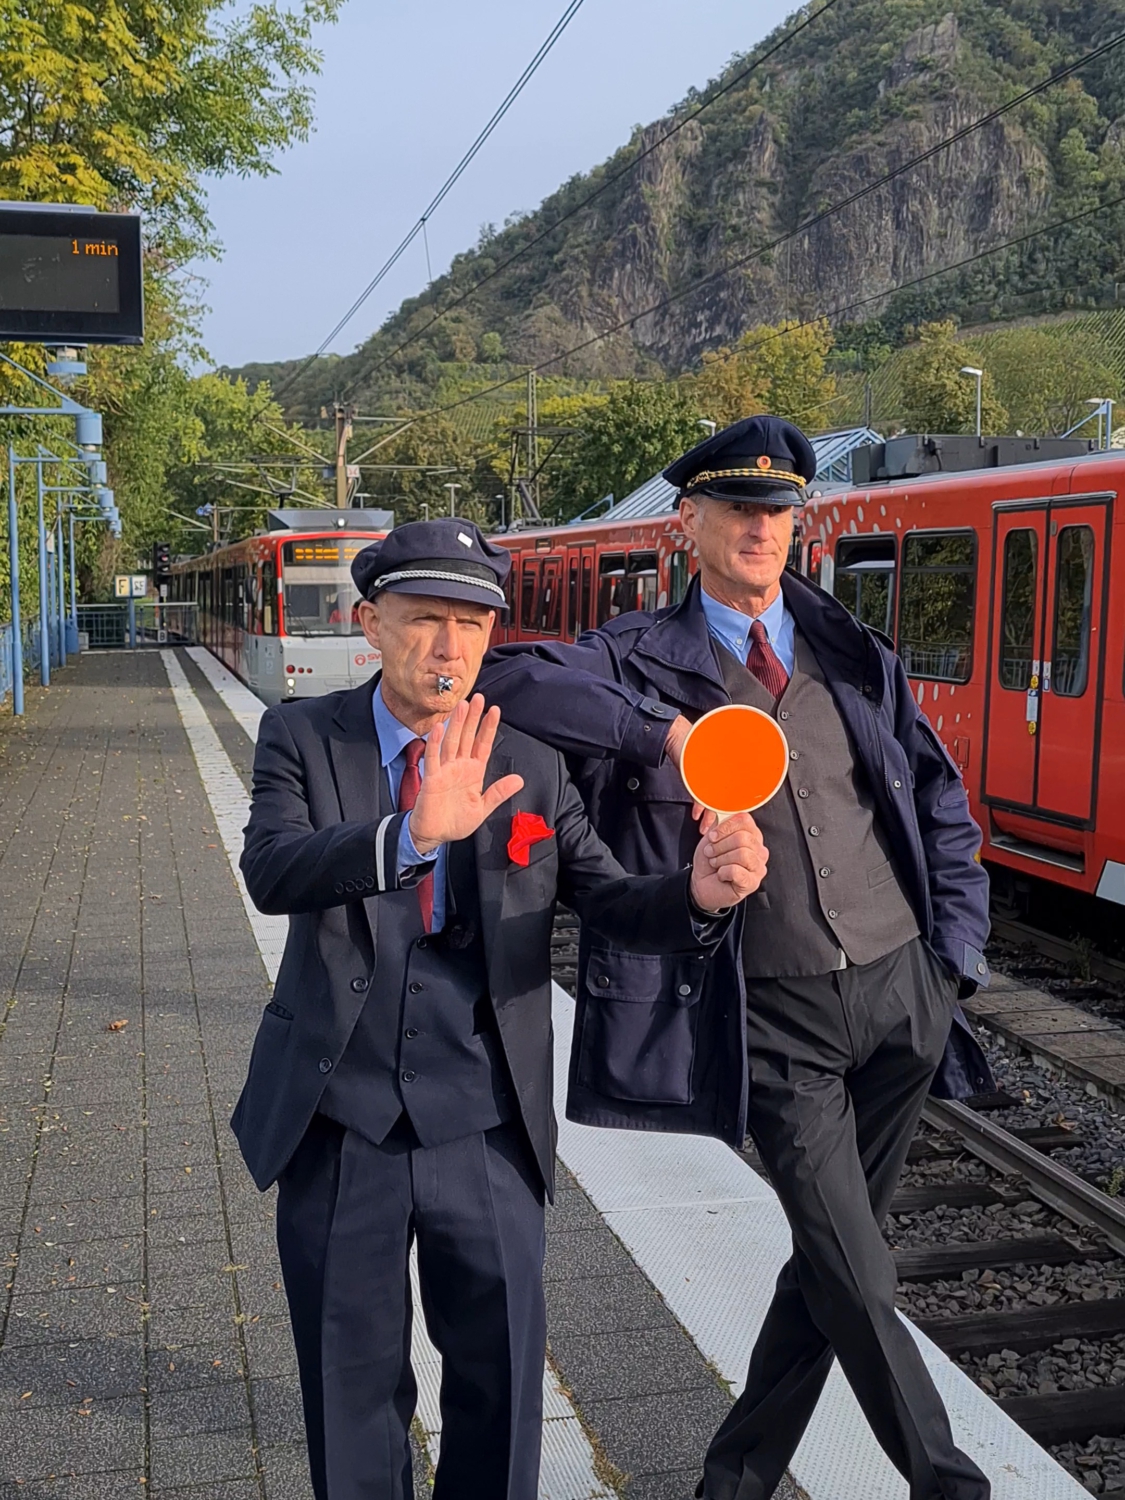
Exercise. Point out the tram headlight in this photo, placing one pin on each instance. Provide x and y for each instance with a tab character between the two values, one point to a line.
290	682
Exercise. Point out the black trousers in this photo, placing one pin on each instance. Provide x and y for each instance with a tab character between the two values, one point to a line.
347	1214
840	1066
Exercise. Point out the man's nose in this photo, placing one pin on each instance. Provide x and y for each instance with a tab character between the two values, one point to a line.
447	643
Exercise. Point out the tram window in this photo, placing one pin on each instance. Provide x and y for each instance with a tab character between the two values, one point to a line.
864	580
269	597
935	621
572	624
550	597
611	575
677	577
1017	619
242	597
320	596
815	561
529	595
585	619
642	579
1074	592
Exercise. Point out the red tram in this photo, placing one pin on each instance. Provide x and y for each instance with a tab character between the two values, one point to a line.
1004	590
279	608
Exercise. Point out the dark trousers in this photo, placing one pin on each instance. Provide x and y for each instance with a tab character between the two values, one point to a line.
347	1213
840	1066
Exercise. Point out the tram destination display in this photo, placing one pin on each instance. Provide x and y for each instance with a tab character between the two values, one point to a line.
70	276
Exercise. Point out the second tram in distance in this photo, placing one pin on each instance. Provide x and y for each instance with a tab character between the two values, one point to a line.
279	609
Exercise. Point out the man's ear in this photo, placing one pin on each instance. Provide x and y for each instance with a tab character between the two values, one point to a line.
369	622
689	514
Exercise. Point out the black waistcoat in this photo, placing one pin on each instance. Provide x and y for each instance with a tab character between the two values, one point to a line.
425	1042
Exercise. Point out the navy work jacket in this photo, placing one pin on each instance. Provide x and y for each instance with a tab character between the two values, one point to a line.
651	1051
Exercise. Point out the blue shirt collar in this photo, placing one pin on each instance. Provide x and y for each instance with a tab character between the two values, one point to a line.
393	734
732	628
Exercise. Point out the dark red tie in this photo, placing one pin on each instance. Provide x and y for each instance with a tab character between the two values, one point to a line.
408	789
764	661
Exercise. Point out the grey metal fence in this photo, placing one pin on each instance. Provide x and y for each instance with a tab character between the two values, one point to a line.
149	623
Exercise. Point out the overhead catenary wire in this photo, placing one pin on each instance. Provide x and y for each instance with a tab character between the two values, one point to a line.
419	227
679	124
826	213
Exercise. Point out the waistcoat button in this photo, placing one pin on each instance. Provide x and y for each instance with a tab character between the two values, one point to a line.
415	988
325	1065
793	755
784	714
633	784
824	872
423	942
359	985
833	915
804	792
814	832
409	1075
685	989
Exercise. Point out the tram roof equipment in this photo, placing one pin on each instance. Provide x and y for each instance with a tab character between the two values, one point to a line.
329	520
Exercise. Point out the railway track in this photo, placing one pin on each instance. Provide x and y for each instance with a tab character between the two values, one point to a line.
1026	1256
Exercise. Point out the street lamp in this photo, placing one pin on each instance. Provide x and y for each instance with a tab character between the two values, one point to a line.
710	426
452	488
1104	412
978	376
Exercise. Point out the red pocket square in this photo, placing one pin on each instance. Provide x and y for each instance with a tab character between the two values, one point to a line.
527	829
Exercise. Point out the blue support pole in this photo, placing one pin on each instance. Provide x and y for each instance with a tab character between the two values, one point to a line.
73	584
14	564
132	623
44	608
60	573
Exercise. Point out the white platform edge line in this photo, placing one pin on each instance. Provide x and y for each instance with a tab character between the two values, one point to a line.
245	707
684	1245
568	1471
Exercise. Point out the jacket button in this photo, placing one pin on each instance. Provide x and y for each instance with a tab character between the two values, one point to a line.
409	1075
685	989
898	786
370	882
411	1033
339	890
423	942
868	689
982	968
325	1065
603	981
633	784
359	985
349	885
415	988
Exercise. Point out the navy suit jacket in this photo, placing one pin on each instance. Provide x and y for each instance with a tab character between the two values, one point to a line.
317	850
607	702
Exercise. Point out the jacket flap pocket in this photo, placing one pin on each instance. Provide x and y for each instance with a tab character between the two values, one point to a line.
642	978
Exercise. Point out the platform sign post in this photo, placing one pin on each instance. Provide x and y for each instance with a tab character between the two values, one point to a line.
14	584
44	609
60	567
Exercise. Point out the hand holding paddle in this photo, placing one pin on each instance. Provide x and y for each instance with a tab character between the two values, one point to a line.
729	864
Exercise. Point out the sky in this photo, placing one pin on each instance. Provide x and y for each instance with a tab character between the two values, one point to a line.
404	90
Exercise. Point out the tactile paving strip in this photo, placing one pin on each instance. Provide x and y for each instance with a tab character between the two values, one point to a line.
568	1471
710	1235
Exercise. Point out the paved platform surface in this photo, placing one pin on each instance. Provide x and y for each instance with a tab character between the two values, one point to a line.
144	1346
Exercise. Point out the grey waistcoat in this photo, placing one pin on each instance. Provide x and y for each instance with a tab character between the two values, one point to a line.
832	891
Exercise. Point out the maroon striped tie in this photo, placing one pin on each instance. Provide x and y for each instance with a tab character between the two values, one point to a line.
408	789
764	662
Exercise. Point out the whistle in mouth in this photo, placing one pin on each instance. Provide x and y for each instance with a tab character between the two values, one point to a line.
445	684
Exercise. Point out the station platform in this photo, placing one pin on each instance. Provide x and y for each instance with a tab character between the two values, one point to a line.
143	1331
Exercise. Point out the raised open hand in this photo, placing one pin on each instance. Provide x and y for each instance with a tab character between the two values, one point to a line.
453	801
730	861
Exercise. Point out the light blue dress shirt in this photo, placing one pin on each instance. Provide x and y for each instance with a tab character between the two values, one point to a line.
393	740
731	628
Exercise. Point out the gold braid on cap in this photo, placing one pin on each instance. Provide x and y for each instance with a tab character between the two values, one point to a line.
708	474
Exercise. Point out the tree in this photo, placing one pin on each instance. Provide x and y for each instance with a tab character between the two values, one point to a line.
129	104
780	369
936	397
639	429
1046	376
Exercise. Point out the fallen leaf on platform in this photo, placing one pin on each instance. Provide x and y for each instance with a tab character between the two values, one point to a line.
117	1025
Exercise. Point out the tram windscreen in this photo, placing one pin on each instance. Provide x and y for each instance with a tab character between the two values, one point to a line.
320	597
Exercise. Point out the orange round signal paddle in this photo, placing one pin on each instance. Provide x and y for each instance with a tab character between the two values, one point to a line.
734	759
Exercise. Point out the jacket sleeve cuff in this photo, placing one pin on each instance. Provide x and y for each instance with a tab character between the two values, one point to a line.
708	927
398	865
967	963
646	731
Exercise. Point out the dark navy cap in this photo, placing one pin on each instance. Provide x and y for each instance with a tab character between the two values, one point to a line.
760	458
447	559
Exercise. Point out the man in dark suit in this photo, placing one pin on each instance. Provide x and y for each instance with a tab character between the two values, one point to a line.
400	1085
824	1015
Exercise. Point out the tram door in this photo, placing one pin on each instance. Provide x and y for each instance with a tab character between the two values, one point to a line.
1044	702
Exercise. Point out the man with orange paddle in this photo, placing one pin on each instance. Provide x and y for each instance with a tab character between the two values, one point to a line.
824	1020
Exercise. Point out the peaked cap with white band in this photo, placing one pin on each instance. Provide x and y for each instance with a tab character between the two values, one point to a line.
447	559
